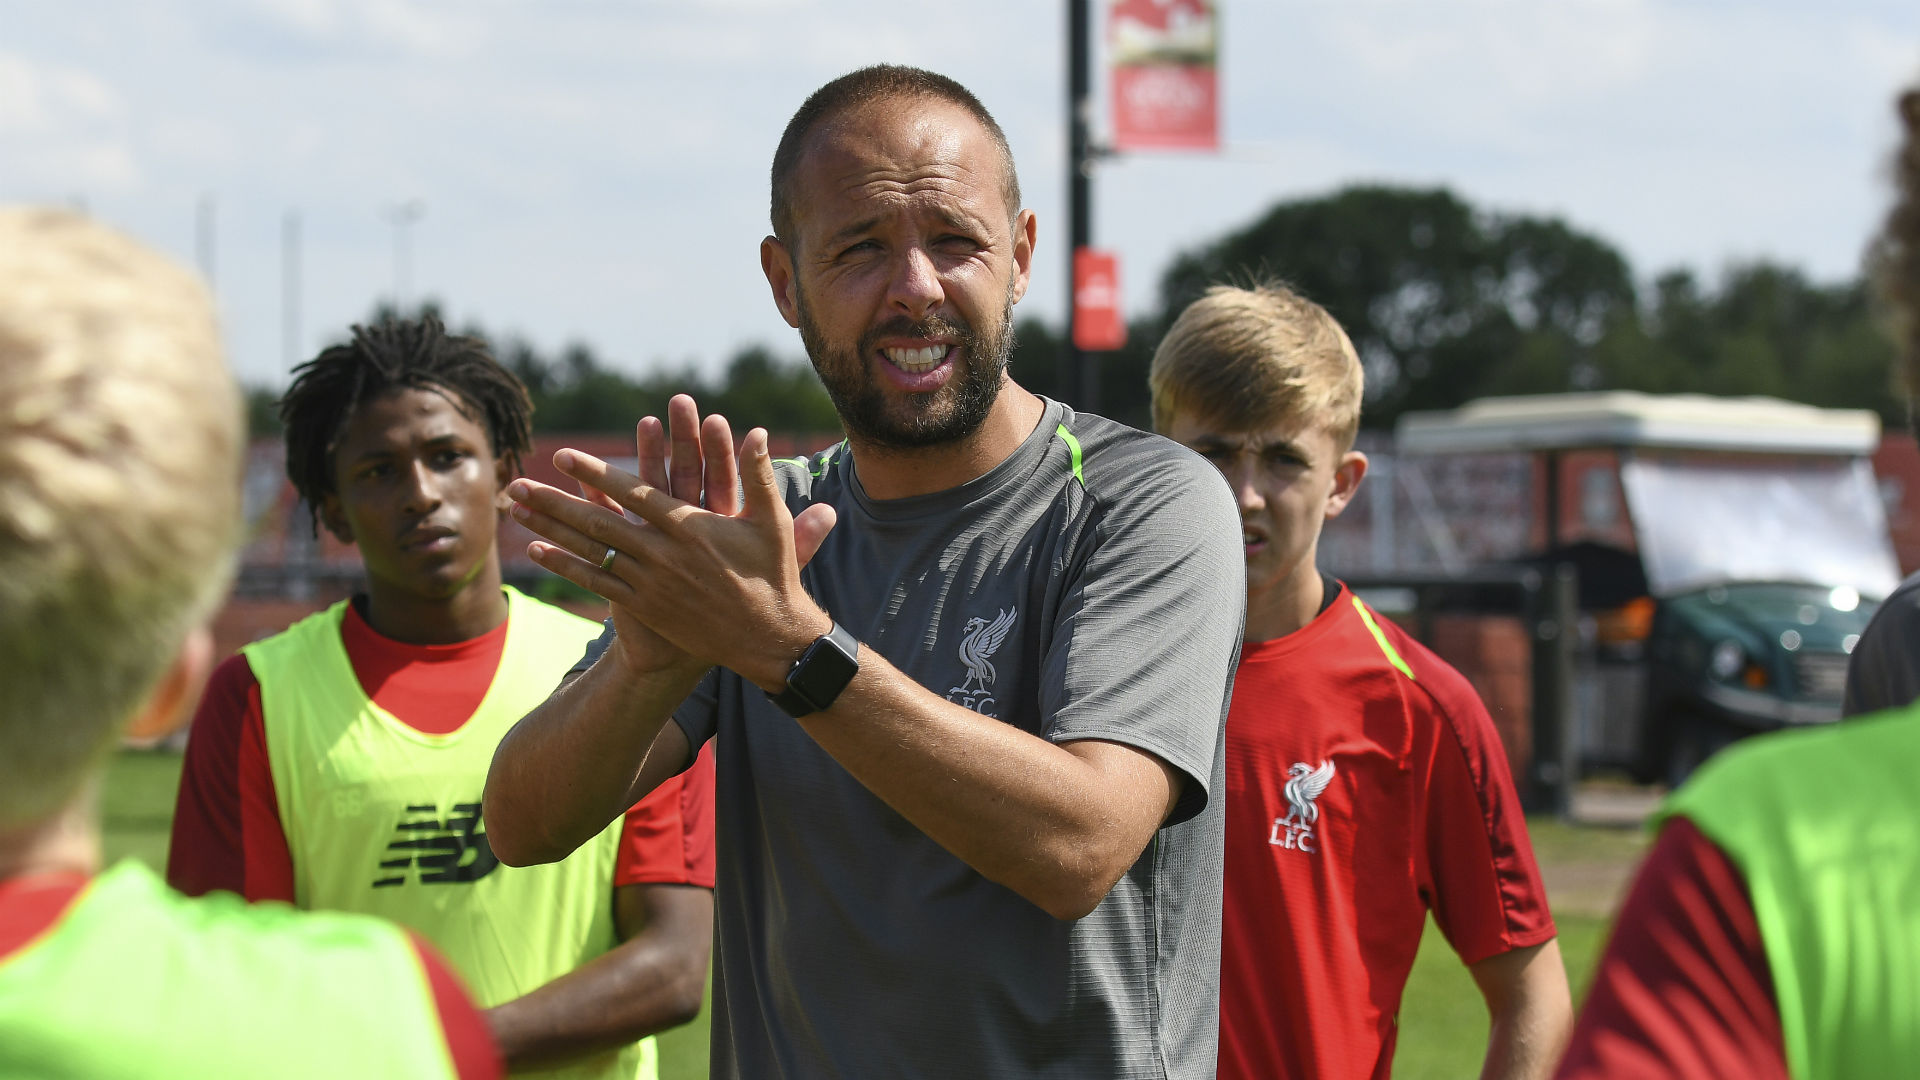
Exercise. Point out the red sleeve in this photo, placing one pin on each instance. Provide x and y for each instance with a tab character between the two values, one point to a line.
469	1040
226	818
1683	989
1485	887
668	837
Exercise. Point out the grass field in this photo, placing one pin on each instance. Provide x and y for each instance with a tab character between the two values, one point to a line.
1443	1024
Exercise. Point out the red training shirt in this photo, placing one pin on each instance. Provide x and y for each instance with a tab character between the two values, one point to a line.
1684	989
226	824
1402	804
32	905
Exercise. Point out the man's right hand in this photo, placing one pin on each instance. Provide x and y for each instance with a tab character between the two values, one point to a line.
691	461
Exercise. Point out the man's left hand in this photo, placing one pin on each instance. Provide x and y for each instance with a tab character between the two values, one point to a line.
723	587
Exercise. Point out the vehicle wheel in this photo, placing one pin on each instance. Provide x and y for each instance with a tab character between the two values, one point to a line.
1697	741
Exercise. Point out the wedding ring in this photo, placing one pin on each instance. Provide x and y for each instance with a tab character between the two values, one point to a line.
606	562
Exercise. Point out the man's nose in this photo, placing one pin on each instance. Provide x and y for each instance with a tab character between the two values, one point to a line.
1244	478
423	487
915	288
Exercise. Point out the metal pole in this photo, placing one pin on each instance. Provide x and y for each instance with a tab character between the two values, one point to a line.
1552	610
1075	370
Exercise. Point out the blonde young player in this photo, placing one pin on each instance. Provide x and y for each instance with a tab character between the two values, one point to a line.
120	438
1366	786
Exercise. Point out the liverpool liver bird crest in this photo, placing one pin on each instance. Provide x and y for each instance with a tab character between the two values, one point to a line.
977	647
1304	785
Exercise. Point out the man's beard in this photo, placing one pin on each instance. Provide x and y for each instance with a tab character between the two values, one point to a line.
949	414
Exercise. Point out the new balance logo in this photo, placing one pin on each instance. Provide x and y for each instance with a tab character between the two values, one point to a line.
446	852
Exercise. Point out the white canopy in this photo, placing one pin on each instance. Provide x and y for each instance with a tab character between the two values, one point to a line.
1625	418
1706	522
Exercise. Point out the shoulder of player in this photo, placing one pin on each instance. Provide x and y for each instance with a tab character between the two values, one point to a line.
797	477
1123	466
232	675
556	616
225	702
1439	682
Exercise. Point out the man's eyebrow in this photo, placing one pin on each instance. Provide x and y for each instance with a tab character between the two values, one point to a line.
1205	443
435	442
1288	446
958	219
858	228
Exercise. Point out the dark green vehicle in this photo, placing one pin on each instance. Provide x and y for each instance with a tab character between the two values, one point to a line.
1730	553
1732	659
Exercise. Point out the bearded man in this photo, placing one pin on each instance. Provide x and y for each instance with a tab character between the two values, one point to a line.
965	672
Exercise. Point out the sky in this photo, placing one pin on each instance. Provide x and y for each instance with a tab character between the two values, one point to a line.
595	170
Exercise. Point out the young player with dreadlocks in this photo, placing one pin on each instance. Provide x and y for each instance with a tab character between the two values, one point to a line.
339	764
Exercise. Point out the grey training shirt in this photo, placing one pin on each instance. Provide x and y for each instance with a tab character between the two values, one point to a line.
1091	586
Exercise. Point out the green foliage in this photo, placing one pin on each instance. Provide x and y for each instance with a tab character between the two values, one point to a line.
1766	331
575	391
578	393
263	412
1445	301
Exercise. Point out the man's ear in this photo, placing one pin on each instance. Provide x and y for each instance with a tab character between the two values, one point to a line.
1025	231
777	263
1346	480
178	690
502	476
334	518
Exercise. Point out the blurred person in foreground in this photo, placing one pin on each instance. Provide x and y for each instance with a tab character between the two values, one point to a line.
338	764
1366	785
120	440
1774	929
969	739
1884	670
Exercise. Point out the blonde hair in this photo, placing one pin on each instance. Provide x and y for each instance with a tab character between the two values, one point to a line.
1253	357
120	438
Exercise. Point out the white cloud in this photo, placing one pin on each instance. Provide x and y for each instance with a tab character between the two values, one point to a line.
62	131
596	169
404	26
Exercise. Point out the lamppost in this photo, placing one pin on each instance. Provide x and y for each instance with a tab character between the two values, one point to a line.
402	217
1077	374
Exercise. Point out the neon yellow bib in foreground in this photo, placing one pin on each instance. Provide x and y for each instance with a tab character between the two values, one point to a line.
1824	825
384	819
136	980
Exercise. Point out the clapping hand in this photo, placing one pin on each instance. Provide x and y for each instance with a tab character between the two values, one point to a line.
706	570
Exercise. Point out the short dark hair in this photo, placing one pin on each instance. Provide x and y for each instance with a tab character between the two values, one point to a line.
863	87
395	354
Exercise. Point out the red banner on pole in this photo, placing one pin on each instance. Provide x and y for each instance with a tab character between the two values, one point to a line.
1097	325
1166	85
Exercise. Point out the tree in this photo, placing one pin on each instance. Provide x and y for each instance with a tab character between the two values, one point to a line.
1444	302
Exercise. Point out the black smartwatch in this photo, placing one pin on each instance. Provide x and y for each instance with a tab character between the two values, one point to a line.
824	670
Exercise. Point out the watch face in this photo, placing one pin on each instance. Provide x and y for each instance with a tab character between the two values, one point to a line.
824	669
